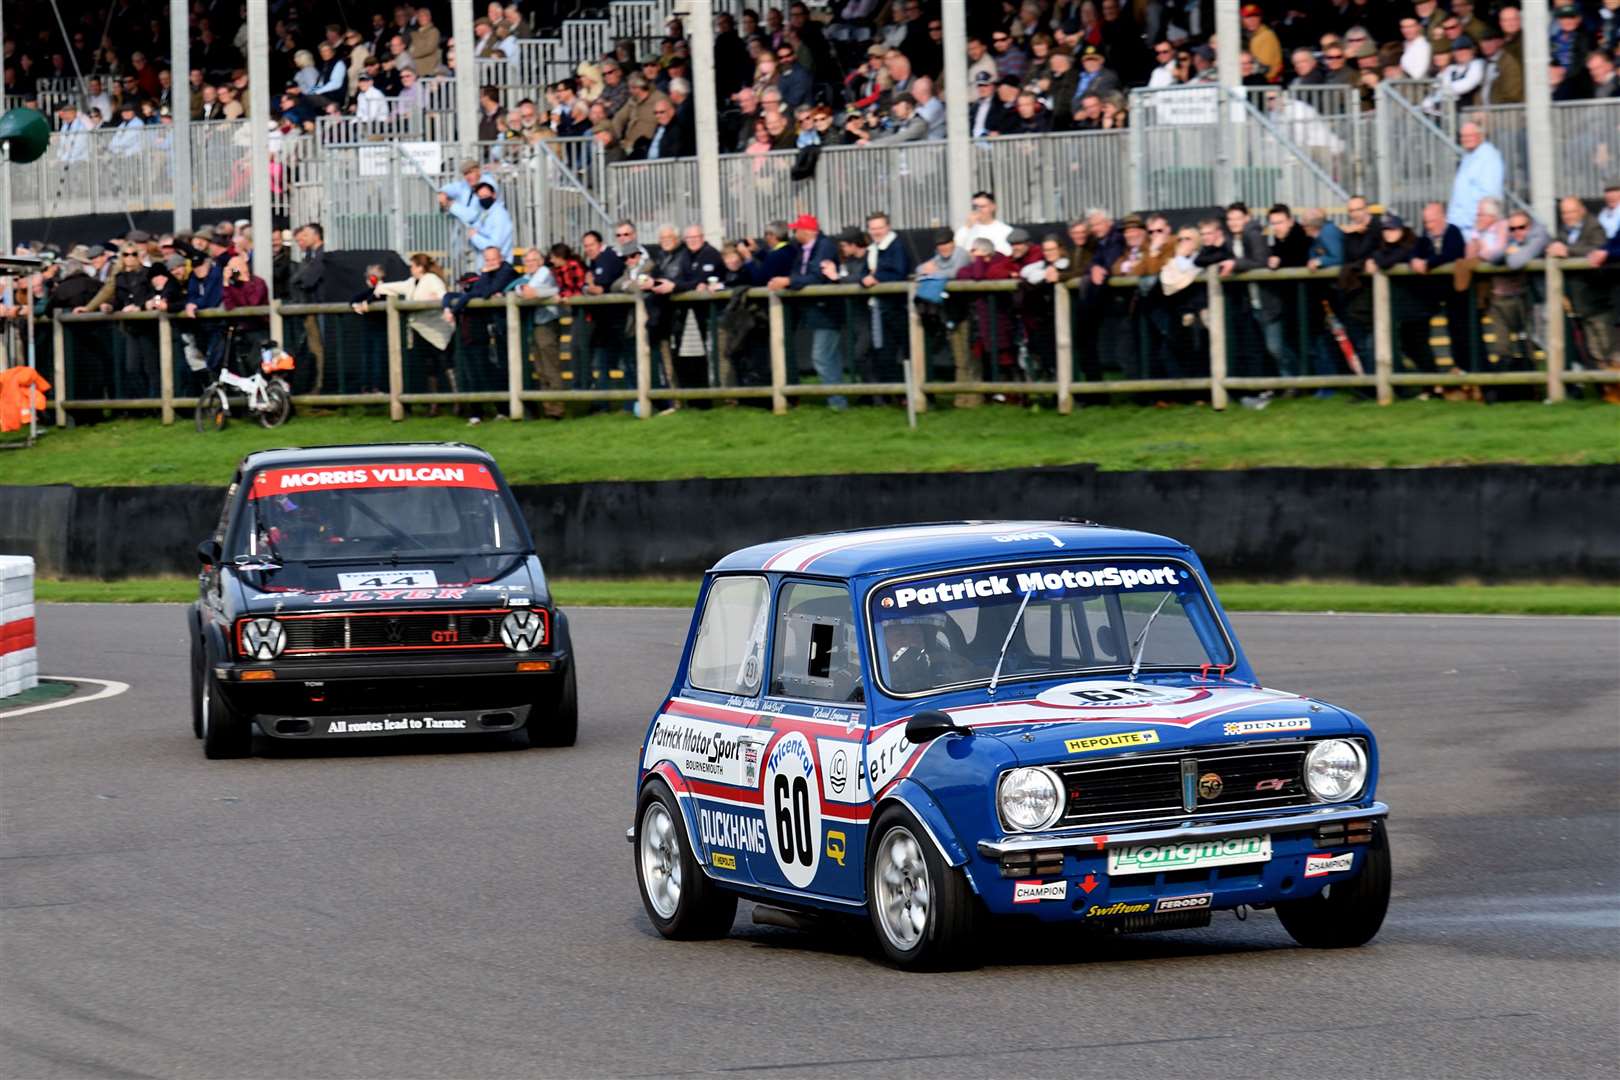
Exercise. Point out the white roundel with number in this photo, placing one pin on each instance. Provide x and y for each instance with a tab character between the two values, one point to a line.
1118	695
793	808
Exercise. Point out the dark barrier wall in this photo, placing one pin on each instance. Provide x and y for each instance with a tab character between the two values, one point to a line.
1493	522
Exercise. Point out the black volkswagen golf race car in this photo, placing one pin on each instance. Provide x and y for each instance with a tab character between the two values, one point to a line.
371	591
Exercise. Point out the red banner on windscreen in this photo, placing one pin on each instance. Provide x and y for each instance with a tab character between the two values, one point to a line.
345	477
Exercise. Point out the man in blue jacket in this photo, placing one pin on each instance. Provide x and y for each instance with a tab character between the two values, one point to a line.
888	261
815	262
487	220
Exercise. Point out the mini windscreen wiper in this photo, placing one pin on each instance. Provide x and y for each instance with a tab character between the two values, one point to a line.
995	676
1139	646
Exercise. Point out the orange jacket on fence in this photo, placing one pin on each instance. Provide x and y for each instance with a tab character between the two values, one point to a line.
22	391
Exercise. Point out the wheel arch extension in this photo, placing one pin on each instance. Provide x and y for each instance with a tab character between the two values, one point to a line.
922	805
665	772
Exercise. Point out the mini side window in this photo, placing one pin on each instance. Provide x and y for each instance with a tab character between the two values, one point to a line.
815	652
728	656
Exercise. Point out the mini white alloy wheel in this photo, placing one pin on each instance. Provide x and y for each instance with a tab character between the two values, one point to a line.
660	860
903	892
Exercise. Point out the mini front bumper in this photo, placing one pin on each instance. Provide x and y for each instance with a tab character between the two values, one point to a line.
1065	877
1295	821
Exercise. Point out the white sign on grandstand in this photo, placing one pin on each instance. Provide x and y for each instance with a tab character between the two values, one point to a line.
425	157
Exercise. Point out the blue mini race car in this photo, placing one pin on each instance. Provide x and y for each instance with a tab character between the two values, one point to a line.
932	724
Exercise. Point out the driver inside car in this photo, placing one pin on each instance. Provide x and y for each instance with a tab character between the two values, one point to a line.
296	528
921	654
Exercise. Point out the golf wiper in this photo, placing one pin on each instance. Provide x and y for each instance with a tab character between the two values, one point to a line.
396	532
995	676
1141	639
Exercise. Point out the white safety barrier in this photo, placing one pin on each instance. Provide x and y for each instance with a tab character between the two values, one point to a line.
19	661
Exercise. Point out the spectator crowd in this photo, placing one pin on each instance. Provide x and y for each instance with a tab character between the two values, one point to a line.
860	72
853	72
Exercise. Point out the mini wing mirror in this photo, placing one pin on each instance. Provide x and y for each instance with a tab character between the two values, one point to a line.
209	552
929	725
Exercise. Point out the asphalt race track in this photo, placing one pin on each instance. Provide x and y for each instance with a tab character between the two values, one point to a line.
384	909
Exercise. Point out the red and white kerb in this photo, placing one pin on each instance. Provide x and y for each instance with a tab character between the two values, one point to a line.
19	658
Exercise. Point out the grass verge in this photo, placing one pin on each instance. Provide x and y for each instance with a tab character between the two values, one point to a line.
1520	599
733	442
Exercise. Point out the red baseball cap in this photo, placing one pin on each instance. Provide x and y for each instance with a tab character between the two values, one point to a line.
806	221
1251	9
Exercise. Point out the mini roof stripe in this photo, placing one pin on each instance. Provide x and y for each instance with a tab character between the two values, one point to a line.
800	556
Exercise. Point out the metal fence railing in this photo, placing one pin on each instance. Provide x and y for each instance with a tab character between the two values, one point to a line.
384	195
1305	147
114	170
1276	146
986	338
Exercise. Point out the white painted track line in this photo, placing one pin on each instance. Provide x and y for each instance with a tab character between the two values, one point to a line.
109	688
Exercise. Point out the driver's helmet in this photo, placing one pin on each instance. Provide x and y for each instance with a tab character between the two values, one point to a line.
298	521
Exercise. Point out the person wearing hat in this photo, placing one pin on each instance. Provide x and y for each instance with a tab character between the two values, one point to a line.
814	261
1569	43
986	113
370	106
488	222
73	146
1094	77
1261	41
866	84
126	140
461	193
1504	74
1458	82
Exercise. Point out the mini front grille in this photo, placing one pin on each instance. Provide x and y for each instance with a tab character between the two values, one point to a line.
1162	786
382	631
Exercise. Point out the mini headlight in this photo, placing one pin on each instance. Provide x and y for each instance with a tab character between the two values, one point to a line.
522	631
1030	798
263	639
1335	770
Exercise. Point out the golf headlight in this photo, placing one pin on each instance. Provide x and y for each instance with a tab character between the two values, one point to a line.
523	630
263	639
1335	770
1030	798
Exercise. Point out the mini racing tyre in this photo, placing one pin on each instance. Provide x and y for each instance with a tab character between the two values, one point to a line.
278	405
211	415
554	719
226	733
1345	914
681	900
923	911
